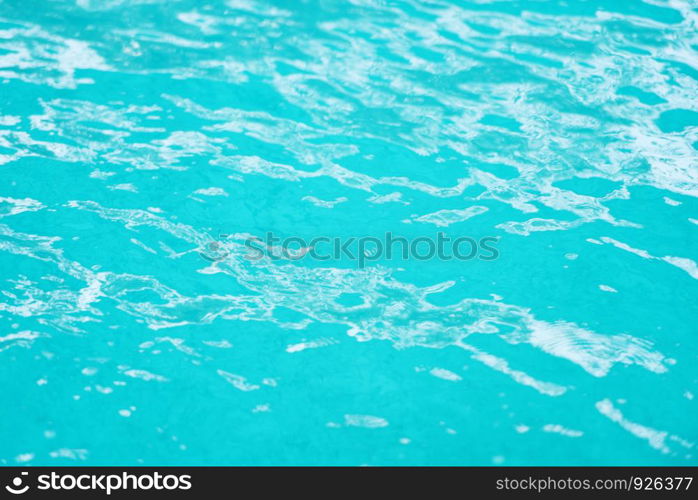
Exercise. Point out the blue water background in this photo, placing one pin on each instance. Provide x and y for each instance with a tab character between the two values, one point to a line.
134	133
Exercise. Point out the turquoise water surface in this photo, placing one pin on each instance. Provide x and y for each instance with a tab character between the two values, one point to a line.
143	143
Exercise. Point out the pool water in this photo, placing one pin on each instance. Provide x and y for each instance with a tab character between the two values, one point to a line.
143	143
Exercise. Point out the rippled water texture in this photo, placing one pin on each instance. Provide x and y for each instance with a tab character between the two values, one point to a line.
133	133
